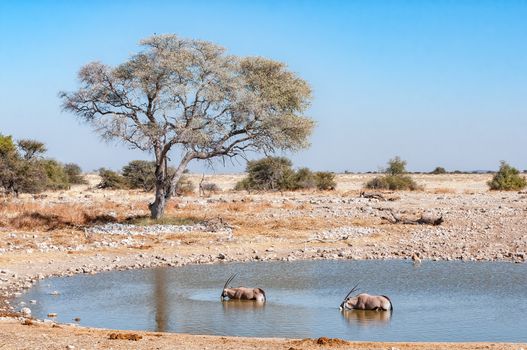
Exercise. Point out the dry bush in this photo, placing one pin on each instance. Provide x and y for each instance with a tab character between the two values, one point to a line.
443	190
145	220
305	206
41	216
288	206
125	336
249	207
368	222
234	206
292	227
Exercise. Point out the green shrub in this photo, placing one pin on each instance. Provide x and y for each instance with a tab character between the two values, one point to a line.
30	177
396	166
7	147
22	169
393	182
271	173
243	185
438	170
325	180
26	174
378	182
140	174
57	179
112	180
9	159
507	179
395	179
303	179
74	173
276	174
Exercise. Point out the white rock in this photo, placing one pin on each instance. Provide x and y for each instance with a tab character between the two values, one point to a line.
26	311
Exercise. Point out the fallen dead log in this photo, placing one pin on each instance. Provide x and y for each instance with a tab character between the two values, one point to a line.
344	238
372	195
425	219
379	196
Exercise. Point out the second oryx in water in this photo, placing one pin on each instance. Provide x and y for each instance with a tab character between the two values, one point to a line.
242	293
365	301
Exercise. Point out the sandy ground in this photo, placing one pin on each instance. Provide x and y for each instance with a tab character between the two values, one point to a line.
81	231
15	336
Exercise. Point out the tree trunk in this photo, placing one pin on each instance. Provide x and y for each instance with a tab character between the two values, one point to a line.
165	185
157	208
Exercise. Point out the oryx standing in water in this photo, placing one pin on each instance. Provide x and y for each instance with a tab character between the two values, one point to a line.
365	301
242	293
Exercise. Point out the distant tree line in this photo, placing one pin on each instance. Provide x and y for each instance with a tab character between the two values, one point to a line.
23	168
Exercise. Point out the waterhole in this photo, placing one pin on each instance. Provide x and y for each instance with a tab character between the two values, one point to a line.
433	301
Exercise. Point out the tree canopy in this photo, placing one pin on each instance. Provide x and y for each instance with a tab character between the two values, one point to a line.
191	96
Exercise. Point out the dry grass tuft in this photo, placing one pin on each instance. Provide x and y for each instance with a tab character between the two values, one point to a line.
125	336
322	341
144	220
243	206
443	190
331	341
52	216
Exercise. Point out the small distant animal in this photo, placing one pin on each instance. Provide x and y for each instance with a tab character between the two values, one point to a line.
364	301
242	293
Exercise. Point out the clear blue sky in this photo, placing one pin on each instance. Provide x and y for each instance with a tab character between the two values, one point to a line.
439	83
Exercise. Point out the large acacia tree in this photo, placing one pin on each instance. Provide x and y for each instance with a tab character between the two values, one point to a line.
191	98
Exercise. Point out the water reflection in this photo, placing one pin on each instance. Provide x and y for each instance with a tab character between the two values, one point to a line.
367	317
161	299
242	305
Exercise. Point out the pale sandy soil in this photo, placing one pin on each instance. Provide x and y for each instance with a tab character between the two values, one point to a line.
16	336
47	236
